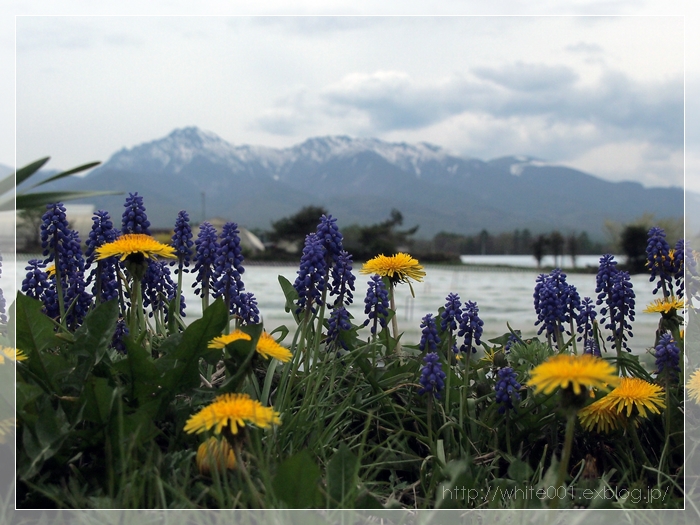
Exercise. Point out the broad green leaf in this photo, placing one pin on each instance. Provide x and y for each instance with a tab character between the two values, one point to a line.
341	477
180	367
34	333
296	482
98	397
141	370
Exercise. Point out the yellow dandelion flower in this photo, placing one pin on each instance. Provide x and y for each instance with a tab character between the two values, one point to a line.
579	372
665	305
226	339
232	410
51	270
693	386
600	417
634	393
136	245
399	268
268	347
215	454
12	354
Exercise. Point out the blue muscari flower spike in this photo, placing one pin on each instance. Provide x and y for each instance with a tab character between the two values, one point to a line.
667	356
512	340
134	218
311	277
507	388
470	326
342	279
679	254
432	378
36	283
451	315
78	297
206	250
158	287
228	267
247	308
606	270
102	232
658	259
551	295
376	303
182	242
121	331
429	336
620	309
330	237
57	239
590	347
338	321
585	318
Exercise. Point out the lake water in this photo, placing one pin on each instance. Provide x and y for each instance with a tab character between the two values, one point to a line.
503	295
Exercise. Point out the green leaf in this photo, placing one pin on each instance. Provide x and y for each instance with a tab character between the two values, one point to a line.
95	334
341	477
34	200
291	297
519	471
34	333
69	172
180	367
141	370
98	397
27	171
296	482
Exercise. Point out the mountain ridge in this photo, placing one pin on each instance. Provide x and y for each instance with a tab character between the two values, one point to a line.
360	181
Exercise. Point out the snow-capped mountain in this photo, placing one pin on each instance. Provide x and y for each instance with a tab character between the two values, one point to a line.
360	181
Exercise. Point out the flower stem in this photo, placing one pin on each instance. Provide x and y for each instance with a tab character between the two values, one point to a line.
394	322
565	455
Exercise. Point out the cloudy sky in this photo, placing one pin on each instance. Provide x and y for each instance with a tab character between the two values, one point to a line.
601	94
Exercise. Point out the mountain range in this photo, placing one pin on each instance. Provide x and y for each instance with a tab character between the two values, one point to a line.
361	181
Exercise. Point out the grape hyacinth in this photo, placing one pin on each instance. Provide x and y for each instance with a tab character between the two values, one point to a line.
157	287
342	279
228	267
134	218
470	326
620	309
659	260
206	250
311	276
432	378
667	356
104	275
679	254
120	332
429	336
507	388
330	237
376	303
450	317
552	298
247	308
337	321
182	242
585	319
37	285
590	347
